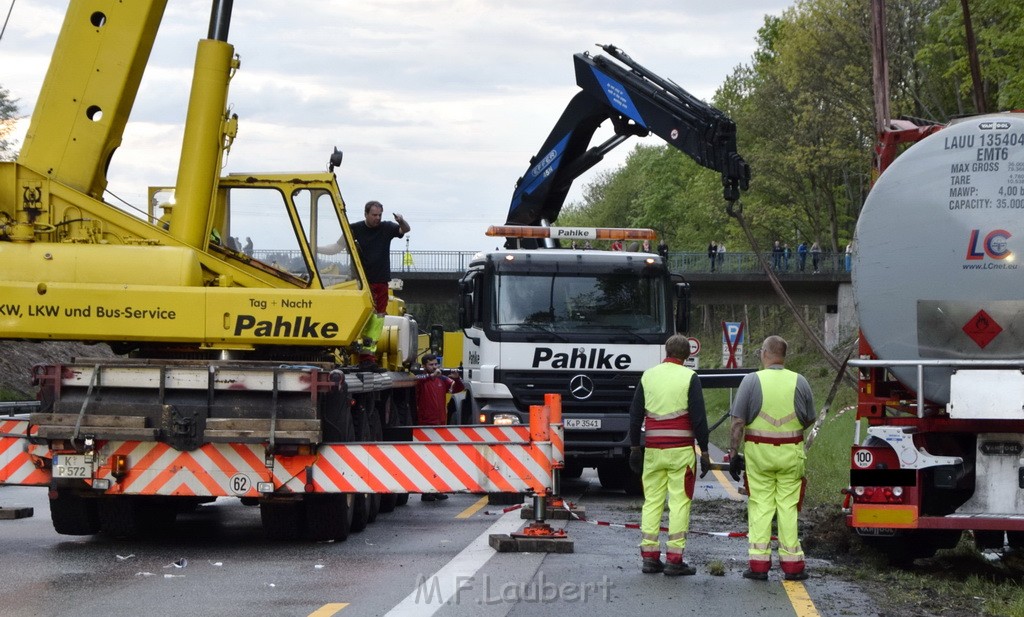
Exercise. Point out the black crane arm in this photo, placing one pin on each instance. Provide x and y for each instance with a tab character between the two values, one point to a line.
638	102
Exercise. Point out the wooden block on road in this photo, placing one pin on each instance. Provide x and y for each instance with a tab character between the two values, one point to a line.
8	514
555	514
504	543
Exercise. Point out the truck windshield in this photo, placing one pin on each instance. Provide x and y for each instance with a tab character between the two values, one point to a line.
620	300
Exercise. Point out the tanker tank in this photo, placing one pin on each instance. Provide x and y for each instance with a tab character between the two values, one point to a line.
939	244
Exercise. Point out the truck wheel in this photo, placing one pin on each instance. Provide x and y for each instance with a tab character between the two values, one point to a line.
505	499
632	483
73	515
388	501
572	471
127	516
612	474
328	517
401	499
901	551
283	520
988	539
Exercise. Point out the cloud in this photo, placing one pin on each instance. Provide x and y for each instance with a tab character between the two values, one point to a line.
438	104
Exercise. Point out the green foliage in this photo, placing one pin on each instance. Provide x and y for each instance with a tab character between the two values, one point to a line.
8	114
804	113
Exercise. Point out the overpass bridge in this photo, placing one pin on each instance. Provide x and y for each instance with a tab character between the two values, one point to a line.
432	277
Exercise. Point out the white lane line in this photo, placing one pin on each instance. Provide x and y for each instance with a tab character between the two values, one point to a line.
433	591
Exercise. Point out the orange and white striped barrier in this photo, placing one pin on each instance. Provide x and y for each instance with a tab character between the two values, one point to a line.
18	456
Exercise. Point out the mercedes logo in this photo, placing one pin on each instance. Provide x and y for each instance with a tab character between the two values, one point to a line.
581	387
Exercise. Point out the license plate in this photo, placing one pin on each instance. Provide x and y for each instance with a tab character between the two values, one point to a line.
71	466
876	531
583	423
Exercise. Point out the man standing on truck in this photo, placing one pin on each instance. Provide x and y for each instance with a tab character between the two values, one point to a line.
373	238
670	398
432	388
772	409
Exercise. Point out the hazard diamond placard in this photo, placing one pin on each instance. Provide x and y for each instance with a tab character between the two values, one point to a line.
982	328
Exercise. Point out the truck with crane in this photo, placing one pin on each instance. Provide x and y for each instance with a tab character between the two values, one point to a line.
236	376
540	317
939	443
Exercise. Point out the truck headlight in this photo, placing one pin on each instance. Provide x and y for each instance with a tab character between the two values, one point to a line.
505	419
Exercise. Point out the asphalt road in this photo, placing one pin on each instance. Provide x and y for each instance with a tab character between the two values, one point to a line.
422	559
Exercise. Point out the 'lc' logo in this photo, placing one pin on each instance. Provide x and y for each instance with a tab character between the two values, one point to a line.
993	245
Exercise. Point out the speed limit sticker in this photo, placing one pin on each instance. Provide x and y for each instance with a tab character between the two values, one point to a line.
863	458
240	484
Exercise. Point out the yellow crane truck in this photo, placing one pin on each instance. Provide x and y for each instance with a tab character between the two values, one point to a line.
232	366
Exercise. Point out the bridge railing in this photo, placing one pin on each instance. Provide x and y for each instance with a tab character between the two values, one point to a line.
683	262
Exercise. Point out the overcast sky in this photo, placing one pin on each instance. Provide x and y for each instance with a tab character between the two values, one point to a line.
438	105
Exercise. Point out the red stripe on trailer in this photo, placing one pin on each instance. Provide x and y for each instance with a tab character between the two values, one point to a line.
518	468
487	468
379	457
425	470
460	473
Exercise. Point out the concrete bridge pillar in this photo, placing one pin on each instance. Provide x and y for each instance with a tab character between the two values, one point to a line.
840	318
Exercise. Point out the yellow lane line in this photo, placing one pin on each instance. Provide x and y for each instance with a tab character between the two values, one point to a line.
726	482
473	509
798	597
328	609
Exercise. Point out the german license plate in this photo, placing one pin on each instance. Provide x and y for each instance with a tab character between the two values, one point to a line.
589	424
71	466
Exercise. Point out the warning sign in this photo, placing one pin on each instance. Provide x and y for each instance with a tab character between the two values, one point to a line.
982	329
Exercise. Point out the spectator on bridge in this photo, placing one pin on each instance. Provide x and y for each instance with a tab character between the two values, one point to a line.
712	254
247	249
777	256
670	401
801	252
373	238
816	256
772	409
721	255
432	388
849	256
617	245
786	252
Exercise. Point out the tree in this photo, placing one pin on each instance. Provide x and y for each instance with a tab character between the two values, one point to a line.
8	111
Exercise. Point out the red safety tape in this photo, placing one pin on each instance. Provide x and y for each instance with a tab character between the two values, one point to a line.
583	519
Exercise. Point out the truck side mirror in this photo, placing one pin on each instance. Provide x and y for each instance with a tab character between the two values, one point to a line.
682	308
437	339
467	304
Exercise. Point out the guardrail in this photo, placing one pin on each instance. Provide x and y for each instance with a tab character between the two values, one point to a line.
697	262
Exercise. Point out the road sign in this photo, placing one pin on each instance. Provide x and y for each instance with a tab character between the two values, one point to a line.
732	341
694	346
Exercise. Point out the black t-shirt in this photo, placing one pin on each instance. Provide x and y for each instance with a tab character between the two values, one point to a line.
375	248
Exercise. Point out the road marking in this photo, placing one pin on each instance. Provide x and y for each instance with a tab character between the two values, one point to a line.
473	509
727	485
328	609
799	599
433	591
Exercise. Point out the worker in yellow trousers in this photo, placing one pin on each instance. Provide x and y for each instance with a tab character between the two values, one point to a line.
772	409
670	403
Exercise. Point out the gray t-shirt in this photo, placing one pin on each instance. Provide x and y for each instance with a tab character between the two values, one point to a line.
747	403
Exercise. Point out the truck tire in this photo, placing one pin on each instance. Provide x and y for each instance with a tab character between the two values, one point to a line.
901	551
505	499
283	520
612	474
401	499
633	484
73	515
130	516
572	471
328	517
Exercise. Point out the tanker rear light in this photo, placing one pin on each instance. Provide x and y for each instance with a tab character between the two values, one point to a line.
119	466
293	449
264	487
878	494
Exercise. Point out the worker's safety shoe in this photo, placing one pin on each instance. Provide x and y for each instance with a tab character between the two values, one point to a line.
652	566
755	576
679	569
797	576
